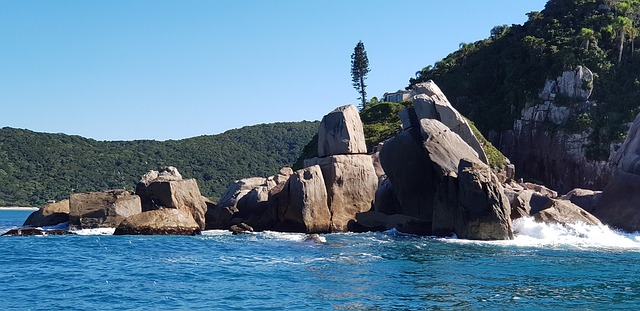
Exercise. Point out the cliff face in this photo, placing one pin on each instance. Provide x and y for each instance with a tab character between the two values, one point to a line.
549	141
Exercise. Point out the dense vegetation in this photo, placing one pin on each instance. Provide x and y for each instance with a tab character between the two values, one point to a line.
491	80
36	167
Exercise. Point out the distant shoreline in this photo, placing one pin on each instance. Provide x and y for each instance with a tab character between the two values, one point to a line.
17	208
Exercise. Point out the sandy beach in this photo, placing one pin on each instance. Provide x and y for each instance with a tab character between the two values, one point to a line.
18	208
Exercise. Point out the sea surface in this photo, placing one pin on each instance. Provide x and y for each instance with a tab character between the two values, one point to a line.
545	267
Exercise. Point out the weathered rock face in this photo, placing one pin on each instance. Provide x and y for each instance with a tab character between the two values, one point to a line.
431	103
49	215
527	203
180	194
375	157
620	201
351	184
306	209
444	147
412	175
544	146
218	217
386	201
102	209
340	132
483	208
565	212
240	188
168	221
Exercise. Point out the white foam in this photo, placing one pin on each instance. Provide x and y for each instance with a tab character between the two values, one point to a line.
96	231
529	233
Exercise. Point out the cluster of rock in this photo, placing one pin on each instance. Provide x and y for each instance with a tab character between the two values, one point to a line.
432	178
559	157
164	203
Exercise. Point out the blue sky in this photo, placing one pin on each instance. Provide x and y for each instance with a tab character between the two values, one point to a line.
157	69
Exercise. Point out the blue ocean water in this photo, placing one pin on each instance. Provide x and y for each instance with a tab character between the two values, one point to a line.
545	267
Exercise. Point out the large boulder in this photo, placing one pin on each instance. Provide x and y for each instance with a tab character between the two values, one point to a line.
182	194
565	212
306	209
239	189
431	103
584	198
218	217
102	209
386	201
527	203
165	173
340	132
619	205
444	147
412	175
168	221
49	215
351	184
483	208
620	201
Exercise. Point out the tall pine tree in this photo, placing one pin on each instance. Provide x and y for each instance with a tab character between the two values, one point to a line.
359	71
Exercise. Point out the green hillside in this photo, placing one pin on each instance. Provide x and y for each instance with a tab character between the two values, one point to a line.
491	80
36	167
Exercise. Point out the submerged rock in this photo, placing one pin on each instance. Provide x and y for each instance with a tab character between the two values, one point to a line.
35	232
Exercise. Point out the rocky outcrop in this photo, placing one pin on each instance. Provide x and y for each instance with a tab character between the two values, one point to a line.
444	147
351	184
182	194
168	221
565	212
102	209
584	198
305	208
340	132
620	201
239	189
483	208
431	103
165	173
548	142
49	215
218	217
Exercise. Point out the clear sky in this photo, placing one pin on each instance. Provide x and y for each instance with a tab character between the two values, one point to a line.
158	69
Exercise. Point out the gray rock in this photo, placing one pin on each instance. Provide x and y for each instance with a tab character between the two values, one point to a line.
483	208
576	84
412	174
386	201
444	147
584	198
375	157
218	217
179	194
238	189
340	132
565	212
618	206
408	118
445	206
49	215
102	209
351	184
307	209
167	221
431	103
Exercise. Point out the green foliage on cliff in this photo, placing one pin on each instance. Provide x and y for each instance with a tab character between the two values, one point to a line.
36	167
496	159
380	122
491	80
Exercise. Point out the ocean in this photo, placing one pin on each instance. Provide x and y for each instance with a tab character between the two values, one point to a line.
545	267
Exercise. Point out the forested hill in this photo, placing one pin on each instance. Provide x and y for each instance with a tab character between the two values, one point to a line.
491	80
36	167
